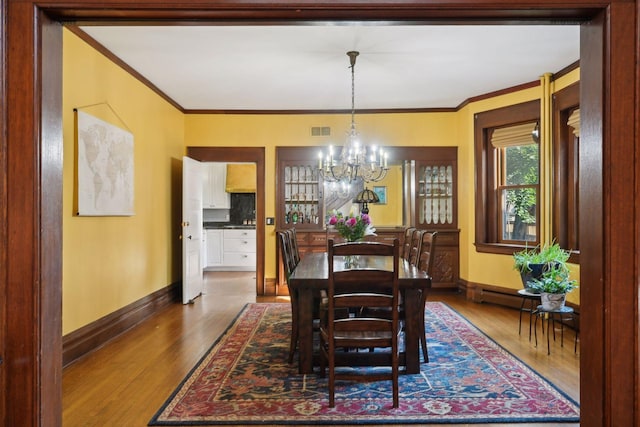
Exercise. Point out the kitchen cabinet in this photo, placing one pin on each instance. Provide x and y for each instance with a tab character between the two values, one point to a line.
214	240
298	188
214	195
239	249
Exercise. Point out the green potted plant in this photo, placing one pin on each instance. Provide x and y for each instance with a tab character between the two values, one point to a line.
553	286
533	262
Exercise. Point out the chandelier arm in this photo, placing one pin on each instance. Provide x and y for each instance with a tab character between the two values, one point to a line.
352	162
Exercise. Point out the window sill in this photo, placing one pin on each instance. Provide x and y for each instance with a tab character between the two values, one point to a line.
500	248
506	249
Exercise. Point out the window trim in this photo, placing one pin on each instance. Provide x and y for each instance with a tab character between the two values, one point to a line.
565	218
486	219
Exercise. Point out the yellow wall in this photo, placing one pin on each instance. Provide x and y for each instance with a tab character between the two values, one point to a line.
389	214
478	267
109	262
228	130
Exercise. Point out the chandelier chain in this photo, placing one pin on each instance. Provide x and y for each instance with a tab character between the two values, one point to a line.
355	161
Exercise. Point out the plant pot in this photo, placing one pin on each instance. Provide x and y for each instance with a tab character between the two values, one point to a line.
552	302
536	271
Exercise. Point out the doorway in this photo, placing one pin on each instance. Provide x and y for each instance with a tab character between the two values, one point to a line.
31	186
243	155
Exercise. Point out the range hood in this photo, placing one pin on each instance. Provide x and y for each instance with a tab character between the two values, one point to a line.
241	178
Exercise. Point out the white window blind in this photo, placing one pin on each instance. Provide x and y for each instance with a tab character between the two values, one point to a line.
513	135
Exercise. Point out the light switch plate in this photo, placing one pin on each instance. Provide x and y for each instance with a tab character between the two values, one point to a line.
271	220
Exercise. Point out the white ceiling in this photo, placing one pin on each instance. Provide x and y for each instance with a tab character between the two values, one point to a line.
306	67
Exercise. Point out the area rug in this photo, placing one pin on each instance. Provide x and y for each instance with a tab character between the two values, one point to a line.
245	379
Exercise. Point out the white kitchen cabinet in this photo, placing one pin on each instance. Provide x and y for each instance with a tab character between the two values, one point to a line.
214	247
214	195
239	249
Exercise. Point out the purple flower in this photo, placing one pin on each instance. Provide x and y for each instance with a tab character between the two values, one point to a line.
366	219
333	220
351	222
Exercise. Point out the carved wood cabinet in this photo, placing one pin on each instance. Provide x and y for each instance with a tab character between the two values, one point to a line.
299	196
431	204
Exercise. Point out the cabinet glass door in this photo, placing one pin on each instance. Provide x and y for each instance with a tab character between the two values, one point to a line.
435	201
301	195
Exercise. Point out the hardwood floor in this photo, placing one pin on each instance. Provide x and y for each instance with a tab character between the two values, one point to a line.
127	380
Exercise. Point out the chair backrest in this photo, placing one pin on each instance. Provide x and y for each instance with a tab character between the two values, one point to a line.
427	246
293	244
285	252
414	250
406	244
363	287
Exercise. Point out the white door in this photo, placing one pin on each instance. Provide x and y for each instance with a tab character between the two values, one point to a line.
192	233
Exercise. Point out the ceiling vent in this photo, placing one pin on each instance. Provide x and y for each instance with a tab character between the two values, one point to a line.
320	131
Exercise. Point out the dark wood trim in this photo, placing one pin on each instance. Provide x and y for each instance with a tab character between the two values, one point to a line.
48	296
244	154
92	336
609	217
75	29
3	210
508	297
120	63
566	70
486	203
565	212
500	92
609	94
300	112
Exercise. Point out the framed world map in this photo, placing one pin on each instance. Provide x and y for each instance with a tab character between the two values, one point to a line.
105	168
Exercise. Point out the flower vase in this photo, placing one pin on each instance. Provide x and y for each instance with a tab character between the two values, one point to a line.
351	261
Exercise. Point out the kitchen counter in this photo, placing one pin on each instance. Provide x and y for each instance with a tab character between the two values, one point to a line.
226	226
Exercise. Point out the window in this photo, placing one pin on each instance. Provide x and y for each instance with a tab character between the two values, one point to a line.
507	178
518	173
566	137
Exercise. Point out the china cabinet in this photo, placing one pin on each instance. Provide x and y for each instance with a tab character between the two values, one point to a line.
299	189
430	203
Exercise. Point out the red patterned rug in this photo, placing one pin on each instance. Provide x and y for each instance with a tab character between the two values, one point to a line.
244	379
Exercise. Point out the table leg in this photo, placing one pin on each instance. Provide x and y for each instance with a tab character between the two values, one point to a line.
520	322
411	300
305	331
550	325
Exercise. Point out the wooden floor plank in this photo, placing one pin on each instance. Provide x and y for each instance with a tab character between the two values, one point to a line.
127	380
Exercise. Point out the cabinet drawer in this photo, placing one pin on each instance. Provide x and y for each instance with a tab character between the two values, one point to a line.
239	234
318	239
247	245
239	259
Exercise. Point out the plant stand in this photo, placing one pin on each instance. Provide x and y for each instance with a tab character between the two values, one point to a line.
534	300
562	313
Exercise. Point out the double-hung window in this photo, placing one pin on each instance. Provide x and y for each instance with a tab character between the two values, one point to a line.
518	176
507	178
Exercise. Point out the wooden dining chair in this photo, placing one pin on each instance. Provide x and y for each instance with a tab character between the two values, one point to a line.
414	249
406	244
293	240
354	288
284	245
425	263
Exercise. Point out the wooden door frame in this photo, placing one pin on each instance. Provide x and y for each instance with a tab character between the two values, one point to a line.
31	178
243	154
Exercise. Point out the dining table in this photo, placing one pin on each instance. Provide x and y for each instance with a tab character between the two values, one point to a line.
311	276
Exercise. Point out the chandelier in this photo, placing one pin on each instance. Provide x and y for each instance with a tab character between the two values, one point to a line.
354	160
